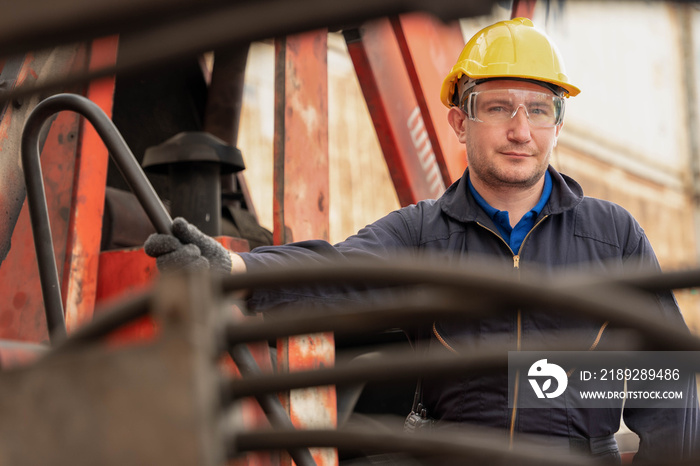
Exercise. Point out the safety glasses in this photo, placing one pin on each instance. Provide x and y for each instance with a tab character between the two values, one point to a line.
543	109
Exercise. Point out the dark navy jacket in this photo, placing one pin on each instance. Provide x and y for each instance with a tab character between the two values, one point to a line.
572	231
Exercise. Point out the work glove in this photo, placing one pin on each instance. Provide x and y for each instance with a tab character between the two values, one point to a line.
187	248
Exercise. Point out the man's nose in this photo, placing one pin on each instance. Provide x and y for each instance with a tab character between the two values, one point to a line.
519	125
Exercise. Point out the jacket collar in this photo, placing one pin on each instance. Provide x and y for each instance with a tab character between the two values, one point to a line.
458	203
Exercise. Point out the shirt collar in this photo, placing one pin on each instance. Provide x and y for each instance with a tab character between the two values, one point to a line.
491	211
458	203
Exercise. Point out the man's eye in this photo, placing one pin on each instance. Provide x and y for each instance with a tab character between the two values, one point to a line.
496	109
539	111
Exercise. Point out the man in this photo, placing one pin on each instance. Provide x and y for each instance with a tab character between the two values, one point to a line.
506	98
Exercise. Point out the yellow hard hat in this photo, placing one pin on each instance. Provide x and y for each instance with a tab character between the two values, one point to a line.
509	49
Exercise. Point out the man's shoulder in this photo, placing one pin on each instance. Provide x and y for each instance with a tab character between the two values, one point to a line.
606	221
604	208
419	209
424	219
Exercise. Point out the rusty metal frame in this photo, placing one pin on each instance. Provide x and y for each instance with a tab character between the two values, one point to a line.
300	204
11	69
84	232
34	24
398	121
190	27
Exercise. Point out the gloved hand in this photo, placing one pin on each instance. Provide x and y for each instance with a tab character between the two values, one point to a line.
187	247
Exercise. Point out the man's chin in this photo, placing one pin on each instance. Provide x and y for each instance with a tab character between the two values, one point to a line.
521	181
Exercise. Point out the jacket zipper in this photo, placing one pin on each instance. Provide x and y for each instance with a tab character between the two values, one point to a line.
516	265
518	339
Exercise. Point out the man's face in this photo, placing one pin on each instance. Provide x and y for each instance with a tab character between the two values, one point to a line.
511	153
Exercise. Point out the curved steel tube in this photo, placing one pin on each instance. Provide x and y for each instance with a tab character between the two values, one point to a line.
36	196
619	305
466	446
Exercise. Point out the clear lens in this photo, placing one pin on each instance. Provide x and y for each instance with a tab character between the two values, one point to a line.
543	109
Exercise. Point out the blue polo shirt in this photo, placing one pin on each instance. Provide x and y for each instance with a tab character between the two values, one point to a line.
514	236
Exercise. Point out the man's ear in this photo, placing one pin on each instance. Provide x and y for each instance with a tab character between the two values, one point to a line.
457	120
559	126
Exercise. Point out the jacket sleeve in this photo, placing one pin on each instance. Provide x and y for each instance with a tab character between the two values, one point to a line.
669	433
381	240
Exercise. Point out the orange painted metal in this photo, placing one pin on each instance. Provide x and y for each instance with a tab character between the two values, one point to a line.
301	205
126	272
14	354
301	138
85	232
314	407
123	273
396	114
250	413
130	271
22	314
430	48
523	9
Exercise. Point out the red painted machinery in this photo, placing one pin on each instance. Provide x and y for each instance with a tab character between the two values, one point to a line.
396	65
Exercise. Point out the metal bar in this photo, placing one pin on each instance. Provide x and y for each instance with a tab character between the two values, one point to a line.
419	36
408	271
408	365
415	308
523	9
412	73
459	446
32	24
226	25
195	194
36	197
108	320
211	26
43	242
413	311
223	112
405	365
19	353
396	115
655	282
412	314
225	96
300	199
8	77
125	160
84	232
58	141
596	300
300	194
271	405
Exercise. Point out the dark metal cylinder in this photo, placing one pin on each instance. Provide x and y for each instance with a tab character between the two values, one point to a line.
195	194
